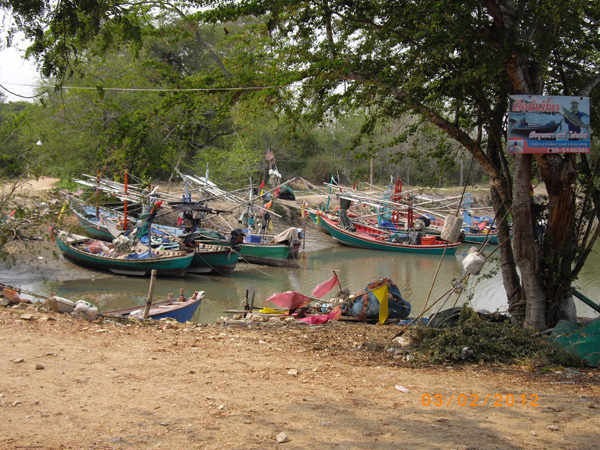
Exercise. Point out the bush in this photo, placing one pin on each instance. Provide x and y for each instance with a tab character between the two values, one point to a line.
477	339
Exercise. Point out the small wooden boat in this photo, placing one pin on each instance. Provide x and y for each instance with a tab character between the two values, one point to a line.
166	263
180	311
377	239
255	250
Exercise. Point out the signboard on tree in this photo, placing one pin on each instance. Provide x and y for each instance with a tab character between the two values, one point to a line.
545	124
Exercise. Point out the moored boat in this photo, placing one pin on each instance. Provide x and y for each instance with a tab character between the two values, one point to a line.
180	311
315	216
136	262
96	227
213	259
377	239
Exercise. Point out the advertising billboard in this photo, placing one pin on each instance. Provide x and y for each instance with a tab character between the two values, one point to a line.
548	124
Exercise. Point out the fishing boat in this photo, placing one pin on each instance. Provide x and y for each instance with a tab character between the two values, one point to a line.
315	216
213	259
265	253
180	311
93	253
221	261
96	225
374	238
469	237
253	248
479	238
108	224
525	130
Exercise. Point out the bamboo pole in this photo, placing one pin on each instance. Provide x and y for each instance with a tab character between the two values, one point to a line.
125	204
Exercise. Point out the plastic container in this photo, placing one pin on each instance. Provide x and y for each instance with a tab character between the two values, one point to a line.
253	239
428	240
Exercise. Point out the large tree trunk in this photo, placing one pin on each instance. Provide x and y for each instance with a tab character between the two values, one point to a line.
560	242
525	247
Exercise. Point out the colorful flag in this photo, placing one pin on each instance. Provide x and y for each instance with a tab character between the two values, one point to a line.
325	287
289	300
381	293
262	185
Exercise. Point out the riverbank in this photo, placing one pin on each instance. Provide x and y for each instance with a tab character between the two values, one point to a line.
68	383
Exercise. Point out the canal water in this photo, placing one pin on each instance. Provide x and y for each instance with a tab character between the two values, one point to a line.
421	279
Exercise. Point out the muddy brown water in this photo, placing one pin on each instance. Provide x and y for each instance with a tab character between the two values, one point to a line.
41	272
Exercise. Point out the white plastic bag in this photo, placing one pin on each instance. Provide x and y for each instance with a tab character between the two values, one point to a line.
85	310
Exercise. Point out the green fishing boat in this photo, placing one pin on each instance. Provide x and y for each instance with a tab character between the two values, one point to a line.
93	253
377	239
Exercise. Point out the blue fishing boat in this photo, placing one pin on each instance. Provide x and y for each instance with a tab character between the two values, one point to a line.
173	309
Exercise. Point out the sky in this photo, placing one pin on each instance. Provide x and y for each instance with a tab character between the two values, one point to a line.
17	74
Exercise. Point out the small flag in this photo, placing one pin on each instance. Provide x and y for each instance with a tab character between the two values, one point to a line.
381	293
289	300
261	185
325	287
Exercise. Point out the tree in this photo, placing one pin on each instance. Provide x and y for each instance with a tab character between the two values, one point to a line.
455	64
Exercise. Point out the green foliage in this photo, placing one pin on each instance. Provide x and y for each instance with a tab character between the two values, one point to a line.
478	339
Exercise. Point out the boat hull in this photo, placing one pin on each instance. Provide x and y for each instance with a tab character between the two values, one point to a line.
221	262
181	312
267	254
318	221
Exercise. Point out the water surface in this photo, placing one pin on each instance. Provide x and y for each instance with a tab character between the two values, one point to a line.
421	279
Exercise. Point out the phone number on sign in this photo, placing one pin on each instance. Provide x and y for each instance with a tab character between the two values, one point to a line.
475	400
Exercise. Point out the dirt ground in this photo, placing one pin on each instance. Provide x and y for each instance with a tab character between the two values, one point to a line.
66	383
69	383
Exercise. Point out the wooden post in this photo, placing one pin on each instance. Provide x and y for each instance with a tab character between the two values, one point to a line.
125	204
252	302
336	275
98	194
304	233
150	294
304	219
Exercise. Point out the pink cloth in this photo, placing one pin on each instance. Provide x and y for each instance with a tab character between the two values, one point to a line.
323	318
325	287
289	300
